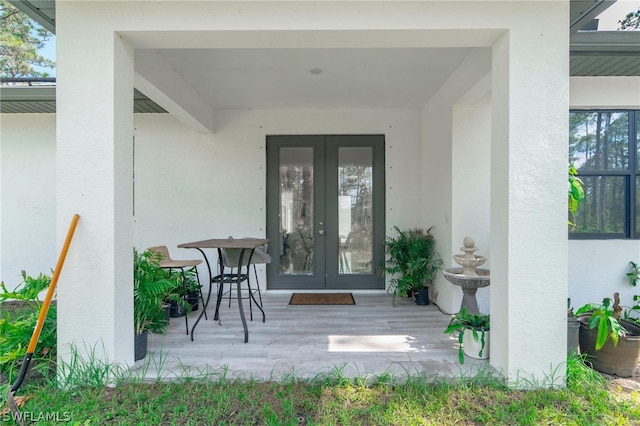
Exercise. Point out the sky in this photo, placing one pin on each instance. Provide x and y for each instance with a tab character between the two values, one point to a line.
48	51
608	21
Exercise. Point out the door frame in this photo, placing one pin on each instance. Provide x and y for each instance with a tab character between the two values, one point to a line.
332	279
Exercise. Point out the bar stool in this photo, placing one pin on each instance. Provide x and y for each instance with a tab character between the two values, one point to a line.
231	258
166	262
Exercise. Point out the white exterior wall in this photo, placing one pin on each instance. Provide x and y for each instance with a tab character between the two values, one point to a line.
471	177
96	45
187	185
190	187
166	215
456	144
28	191
597	268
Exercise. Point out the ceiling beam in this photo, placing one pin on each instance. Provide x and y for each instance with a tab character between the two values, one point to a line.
158	80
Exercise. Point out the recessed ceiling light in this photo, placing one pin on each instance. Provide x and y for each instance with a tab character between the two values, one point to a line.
316	70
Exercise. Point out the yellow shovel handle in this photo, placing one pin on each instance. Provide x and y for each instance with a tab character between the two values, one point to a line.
52	287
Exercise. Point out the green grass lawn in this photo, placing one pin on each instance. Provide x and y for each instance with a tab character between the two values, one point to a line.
333	399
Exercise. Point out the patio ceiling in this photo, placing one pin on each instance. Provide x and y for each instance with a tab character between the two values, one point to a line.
345	78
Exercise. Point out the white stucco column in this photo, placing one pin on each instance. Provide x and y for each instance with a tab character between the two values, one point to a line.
528	201
95	179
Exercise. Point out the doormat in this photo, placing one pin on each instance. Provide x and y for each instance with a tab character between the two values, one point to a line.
322	299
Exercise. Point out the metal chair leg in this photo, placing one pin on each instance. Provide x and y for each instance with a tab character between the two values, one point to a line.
255	271
184	289
201	296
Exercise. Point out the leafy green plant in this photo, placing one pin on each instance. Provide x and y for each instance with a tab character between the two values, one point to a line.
20	310
634	274
605	317
190	282
412	255
28	289
632	313
477	323
151	286
576	194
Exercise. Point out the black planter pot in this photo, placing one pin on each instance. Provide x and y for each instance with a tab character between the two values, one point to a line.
140	345
167	310
193	299
421	297
176	311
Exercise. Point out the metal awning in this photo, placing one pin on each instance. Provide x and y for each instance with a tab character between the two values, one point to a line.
605	53
39	97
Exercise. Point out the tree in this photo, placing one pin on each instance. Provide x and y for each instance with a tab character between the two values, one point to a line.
631	21
20	39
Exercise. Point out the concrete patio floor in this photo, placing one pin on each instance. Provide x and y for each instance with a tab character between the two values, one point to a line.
370	339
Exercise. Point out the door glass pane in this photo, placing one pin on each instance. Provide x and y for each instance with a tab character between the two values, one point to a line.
296	211
355	210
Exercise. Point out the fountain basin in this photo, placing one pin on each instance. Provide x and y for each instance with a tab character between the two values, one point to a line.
455	276
469	263
469	285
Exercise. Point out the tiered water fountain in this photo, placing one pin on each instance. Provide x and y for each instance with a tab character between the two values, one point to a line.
469	277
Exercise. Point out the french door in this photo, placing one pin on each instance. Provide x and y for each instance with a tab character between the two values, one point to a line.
325	211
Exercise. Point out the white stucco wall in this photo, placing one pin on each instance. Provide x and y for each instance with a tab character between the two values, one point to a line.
456	144
471	174
169	177
188	186
191	187
96	44
597	268
28	221
605	92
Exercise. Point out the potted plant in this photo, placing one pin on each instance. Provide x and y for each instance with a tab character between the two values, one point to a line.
181	297
414	261
192	289
473	334
612	343
573	331
151	285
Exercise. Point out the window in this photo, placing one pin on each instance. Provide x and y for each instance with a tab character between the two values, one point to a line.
604	147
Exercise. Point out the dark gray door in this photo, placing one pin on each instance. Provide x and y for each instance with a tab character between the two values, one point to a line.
325	211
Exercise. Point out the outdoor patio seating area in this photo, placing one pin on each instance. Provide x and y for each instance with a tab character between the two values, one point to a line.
368	339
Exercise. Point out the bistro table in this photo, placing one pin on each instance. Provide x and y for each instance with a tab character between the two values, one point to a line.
237	278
